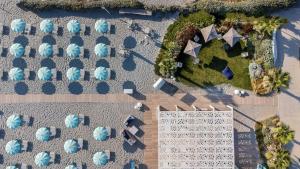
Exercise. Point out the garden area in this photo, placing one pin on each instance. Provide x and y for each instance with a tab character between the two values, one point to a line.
240	43
272	136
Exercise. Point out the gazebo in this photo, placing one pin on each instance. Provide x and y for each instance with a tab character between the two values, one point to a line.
232	37
13	147
16	74
73	50
72	121
43	134
17	50
101	50
73	74
209	33
42	159
71	146
102	26
46	50
100	134
18	25
100	158
101	73
44	73
73	26
47	26
14	121
192	49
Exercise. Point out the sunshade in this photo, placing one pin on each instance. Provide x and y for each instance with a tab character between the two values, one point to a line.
72	121
232	37
101	73
101	26
14	121
71	167
13	147
43	134
73	74
42	159
47	26
209	33
100	158
44	73
192	49
100	134
101	50
71	146
18	25
11	167
17	50
16	74
46	50
73	26
73	50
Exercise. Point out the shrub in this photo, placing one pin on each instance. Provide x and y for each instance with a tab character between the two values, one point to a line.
263	51
167	67
187	33
255	70
281	79
174	49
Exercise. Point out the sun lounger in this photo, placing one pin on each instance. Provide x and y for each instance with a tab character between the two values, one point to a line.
1	50
244	54
81	52
109	73
53	131
82	119
128	137
123	52
79	165
80	143
1	73
128	91
82	29
128	121
82	73
24	166
54	74
52	157
55	29
1	28
108	131
28	29
27	51
55	50
92	73
26	119
27	73
24	145
107	152
133	130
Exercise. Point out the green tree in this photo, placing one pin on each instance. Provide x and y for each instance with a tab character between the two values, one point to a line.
167	67
282	159
267	26
281	79
283	134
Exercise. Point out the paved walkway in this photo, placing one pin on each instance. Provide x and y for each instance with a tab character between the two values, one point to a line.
289	100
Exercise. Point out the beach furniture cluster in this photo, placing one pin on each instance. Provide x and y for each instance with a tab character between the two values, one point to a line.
129	133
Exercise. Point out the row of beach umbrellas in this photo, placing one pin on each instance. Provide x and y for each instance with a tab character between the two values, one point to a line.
46	50
45	73
48	26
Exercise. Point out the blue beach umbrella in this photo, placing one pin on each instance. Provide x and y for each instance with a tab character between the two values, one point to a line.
17	50
101	73
100	159
11	167
100	134
71	146
73	26
16	74
101	26
46	50
18	25
73	74
43	134
42	159
73	50
47	26
44	73
13	147
72	121
71	167
101	50
14	121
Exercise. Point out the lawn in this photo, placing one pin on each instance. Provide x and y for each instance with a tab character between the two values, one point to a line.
213	59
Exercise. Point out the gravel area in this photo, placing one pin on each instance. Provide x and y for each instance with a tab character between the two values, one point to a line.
166	2
135	71
48	114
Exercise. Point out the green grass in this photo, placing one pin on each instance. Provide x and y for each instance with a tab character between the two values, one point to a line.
213	59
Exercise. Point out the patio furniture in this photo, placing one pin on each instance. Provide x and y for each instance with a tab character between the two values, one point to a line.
82	29
24	145
243	93
28	29
129	120
80	143
26	119
92	73
227	72
159	83
27	51
52	131
128	91
107	152
195	108
138	106
1	73
133	129
55	50
24	166
128	137
52	157
54	74
82	119
82	74
26	73
177	108
244	54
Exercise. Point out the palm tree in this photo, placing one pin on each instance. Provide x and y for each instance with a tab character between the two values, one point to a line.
283	134
283	160
167	67
281	79
266	27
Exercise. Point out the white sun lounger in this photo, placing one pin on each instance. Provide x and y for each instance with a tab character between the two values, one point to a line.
107	152
27	73
109	73
1	28
82	29
55	29
53	131
54	74
108	131
81	52
1	50
92	73
82	73
27	51
24	166
55	50
80	143
26	119
82	119
28	28
24	145
52	157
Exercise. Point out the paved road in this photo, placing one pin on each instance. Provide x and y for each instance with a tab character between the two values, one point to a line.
289	100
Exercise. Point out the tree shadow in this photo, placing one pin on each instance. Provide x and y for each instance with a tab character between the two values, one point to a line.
19	62
129	64
49	39
103	63
129	42
142	57
47	62
102	88
23	40
77	40
103	39
75	88
48	88
76	63
21	88
217	64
